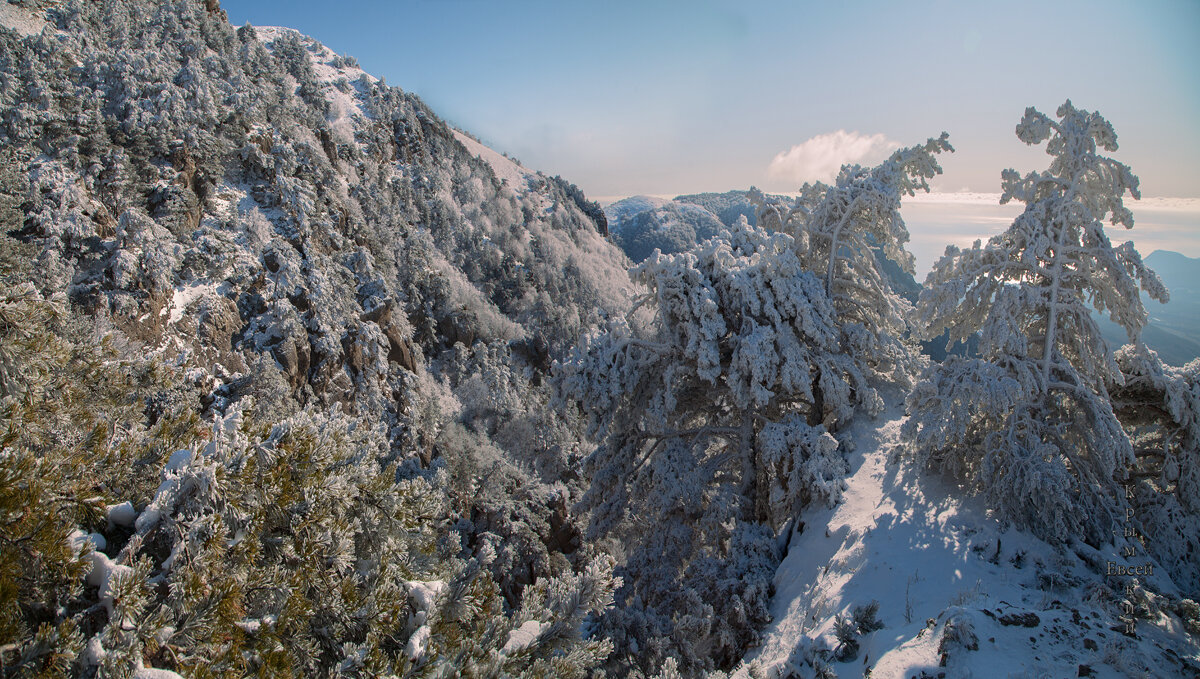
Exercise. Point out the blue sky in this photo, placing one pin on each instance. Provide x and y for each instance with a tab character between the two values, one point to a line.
626	97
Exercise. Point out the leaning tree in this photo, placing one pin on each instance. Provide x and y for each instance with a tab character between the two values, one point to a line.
1029	423
843	233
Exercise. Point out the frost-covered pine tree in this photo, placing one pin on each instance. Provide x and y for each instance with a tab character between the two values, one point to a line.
842	233
703	414
1029	423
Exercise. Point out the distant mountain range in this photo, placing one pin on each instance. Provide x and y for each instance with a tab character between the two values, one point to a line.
640	224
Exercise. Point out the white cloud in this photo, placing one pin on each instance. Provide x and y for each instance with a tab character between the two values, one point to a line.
821	157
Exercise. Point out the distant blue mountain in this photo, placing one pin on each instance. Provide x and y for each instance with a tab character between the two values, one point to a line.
1174	329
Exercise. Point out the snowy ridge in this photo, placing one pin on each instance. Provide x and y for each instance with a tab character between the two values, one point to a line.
625	209
643	224
515	177
936	562
339	79
668	213
344	85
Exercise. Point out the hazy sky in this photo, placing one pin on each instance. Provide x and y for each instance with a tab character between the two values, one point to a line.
624	97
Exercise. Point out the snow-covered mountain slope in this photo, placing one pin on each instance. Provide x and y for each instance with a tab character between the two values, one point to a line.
959	595
246	209
274	161
338	77
622	210
642	224
513	176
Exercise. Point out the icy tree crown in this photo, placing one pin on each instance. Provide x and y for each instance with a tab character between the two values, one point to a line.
842	234
1077	173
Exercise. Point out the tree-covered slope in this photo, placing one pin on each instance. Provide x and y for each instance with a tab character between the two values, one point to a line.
342	302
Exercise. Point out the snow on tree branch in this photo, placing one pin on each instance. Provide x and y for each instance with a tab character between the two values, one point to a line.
1030	425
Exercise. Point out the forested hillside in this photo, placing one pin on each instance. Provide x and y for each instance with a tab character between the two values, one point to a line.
298	380
276	342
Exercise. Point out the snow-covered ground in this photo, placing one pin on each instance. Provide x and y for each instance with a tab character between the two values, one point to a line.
186	294
928	557
23	20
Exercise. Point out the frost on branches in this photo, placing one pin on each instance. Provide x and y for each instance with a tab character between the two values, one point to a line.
716	403
1160	408
710	417
841	233
1029	423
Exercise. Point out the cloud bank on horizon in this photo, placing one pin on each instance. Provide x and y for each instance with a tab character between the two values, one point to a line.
820	158
938	219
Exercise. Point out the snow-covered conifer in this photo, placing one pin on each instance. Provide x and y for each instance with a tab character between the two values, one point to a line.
1029	423
710	417
715	405
842	232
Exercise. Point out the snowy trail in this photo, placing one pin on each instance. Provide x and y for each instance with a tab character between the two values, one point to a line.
867	549
927	556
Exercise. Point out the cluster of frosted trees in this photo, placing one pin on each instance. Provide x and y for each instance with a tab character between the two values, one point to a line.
719	401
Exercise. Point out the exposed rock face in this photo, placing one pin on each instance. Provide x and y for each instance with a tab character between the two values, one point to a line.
400	347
